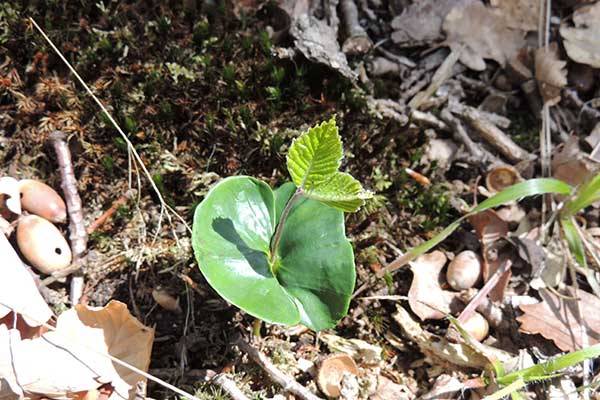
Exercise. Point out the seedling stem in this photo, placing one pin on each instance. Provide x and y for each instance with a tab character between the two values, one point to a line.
279	229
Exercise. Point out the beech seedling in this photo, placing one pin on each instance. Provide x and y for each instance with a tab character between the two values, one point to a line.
283	255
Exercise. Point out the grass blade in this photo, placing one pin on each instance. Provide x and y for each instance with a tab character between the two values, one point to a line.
550	368
531	187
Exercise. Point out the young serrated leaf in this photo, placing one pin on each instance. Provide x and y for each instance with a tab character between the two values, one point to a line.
341	192
315	156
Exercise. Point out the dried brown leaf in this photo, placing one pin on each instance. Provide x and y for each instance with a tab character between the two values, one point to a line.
550	73
483	32
18	291
555	318
73	358
582	42
570	164
425	296
421	22
519	14
490	228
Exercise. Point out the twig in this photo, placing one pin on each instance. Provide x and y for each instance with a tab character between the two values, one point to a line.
380	66
109	213
462	109
287	383
427	118
399	59
440	76
77	233
357	41
485	290
493	135
478	153
228	385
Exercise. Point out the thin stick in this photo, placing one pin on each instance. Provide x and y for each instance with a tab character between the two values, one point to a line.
77	233
108	213
130	146
485	290
287	383
228	385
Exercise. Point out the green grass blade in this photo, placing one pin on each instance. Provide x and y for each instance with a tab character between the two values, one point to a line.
531	187
508	390
573	240
587	194
549	368
576	248
527	188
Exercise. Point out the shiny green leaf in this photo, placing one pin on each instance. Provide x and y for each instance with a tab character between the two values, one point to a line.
315	156
232	234
341	191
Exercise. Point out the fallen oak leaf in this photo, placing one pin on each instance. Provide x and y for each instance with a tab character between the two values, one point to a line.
74	357
18	291
582	42
550	73
555	318
519	14
483	32
425	296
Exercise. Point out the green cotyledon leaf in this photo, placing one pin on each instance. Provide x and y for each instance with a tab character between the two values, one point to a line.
315	274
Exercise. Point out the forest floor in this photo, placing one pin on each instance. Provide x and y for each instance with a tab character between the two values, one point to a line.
206	91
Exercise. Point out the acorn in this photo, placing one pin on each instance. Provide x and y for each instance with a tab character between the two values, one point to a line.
501	177
477	326
464	271
42	244
331	372
40	199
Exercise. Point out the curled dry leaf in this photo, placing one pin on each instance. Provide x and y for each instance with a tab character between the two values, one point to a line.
582	42
9	195
550	73
18	290
483	32
556	318
490	229
317	41
439	349
425	296
387	389
570	164
358	349
73	357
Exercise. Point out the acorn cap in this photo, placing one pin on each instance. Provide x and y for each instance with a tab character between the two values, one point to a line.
331	372
40	199
42	244
501	177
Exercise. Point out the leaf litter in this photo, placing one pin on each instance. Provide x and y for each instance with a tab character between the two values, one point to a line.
490	58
